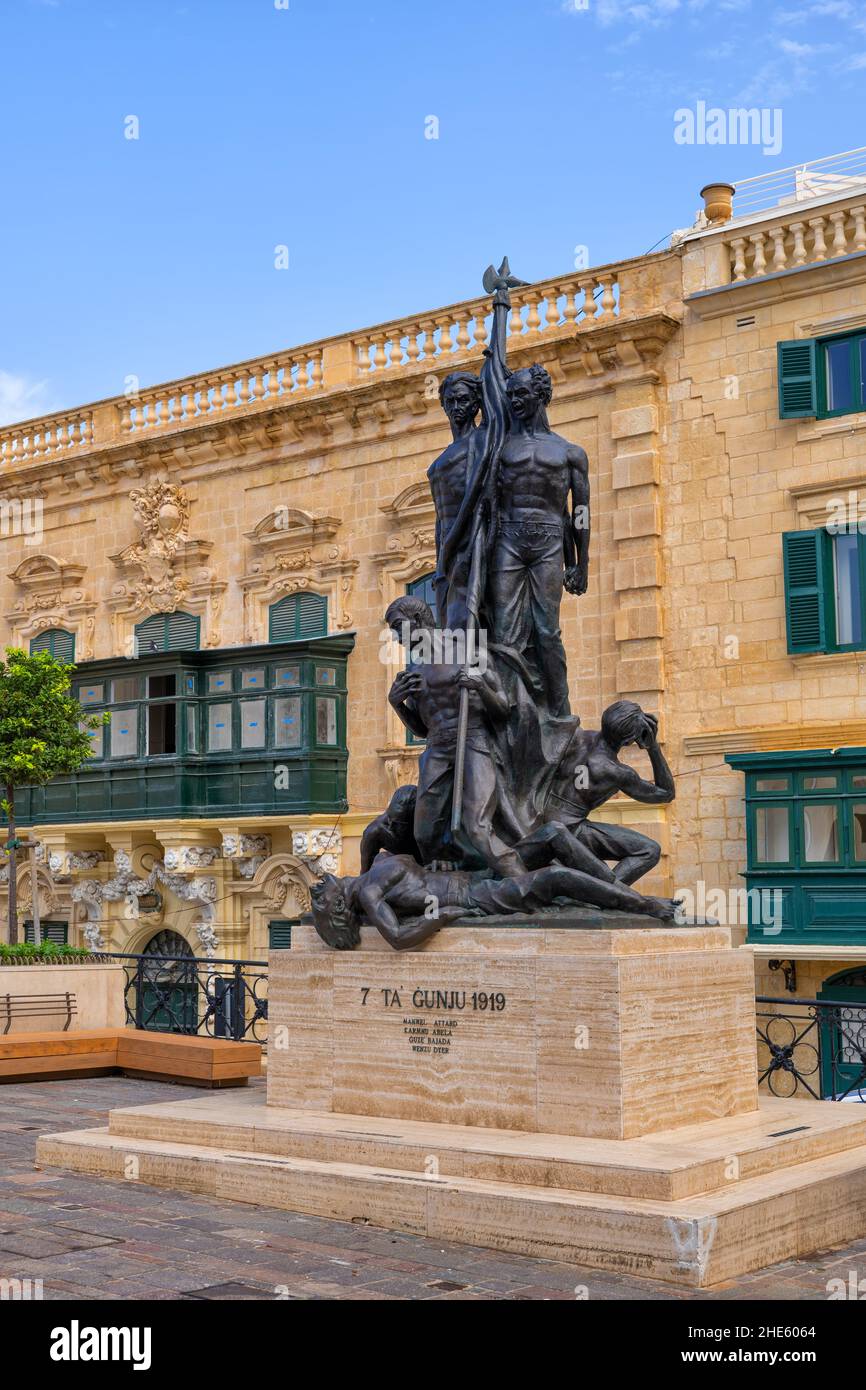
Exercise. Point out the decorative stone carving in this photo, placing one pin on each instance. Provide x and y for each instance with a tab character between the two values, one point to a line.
164	569
280	886
319	849
92	934
299	554
244	846
191	857
83	859
125	887
52	596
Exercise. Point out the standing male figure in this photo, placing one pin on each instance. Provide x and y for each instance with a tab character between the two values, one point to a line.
541	545
460	396
426	696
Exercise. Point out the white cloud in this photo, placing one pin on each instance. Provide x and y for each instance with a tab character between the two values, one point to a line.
21	398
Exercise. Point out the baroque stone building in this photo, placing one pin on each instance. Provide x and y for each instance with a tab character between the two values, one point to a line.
216	554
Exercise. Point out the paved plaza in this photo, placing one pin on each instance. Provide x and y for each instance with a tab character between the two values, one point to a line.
95	1238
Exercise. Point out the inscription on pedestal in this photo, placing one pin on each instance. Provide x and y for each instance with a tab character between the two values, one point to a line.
433	1035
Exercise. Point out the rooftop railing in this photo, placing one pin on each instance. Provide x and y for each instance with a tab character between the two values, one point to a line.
836	174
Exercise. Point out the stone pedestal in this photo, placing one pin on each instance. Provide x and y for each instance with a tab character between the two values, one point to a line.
555	1026
584	1093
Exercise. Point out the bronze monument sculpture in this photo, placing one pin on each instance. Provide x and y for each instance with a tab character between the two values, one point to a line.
499	823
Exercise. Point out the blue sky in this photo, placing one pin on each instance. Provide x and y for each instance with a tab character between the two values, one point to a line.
304	126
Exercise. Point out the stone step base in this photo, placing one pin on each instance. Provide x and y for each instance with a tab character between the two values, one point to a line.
775	1204
678	1163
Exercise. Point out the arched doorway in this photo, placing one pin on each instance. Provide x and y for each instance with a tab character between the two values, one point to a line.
167	986
843	1036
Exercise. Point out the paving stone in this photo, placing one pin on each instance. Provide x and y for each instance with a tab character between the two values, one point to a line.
95	1238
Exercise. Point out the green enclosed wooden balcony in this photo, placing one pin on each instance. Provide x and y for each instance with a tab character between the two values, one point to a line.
234	731
806	841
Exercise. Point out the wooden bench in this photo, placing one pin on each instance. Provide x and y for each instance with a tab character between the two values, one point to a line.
15	1006
188	1059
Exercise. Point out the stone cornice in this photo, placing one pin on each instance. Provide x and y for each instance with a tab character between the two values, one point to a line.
315	422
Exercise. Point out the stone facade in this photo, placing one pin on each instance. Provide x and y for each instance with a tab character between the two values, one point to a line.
306	471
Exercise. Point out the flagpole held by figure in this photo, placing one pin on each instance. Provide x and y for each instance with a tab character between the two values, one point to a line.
479	502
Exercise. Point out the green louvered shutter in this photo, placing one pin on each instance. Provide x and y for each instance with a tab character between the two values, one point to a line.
798	378
280	934
55	932
182	632
168	632
808	582
298	616
59	643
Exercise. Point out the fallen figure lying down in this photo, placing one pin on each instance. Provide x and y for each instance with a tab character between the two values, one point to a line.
408	903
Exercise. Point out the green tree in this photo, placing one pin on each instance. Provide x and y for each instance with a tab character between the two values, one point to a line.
43	732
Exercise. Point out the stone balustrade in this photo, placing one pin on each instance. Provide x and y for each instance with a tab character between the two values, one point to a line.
578	301
574	303
805	237
69	433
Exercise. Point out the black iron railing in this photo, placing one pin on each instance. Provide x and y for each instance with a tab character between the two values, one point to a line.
812	1046
181	994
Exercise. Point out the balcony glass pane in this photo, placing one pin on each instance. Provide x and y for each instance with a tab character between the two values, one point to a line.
90	694
191	729
821	783
849	609
287	722
859	815
253	680
219	682
821	833
219	728
771	834
126	689
124	733
252	724
326	675
287	675
326	720
771	784
840	387
95	736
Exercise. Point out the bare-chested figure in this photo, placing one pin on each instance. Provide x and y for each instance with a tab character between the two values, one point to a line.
426	696
541	544
590	774
408	904
460	395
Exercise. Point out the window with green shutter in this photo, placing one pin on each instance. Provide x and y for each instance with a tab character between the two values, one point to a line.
798	387
298	616
168	632
806	564
55	932
825	589
822	377
59	643
280	933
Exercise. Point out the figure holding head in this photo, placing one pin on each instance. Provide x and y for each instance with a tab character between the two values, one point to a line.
589	774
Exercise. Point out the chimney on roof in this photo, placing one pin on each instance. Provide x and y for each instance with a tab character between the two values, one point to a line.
718	201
